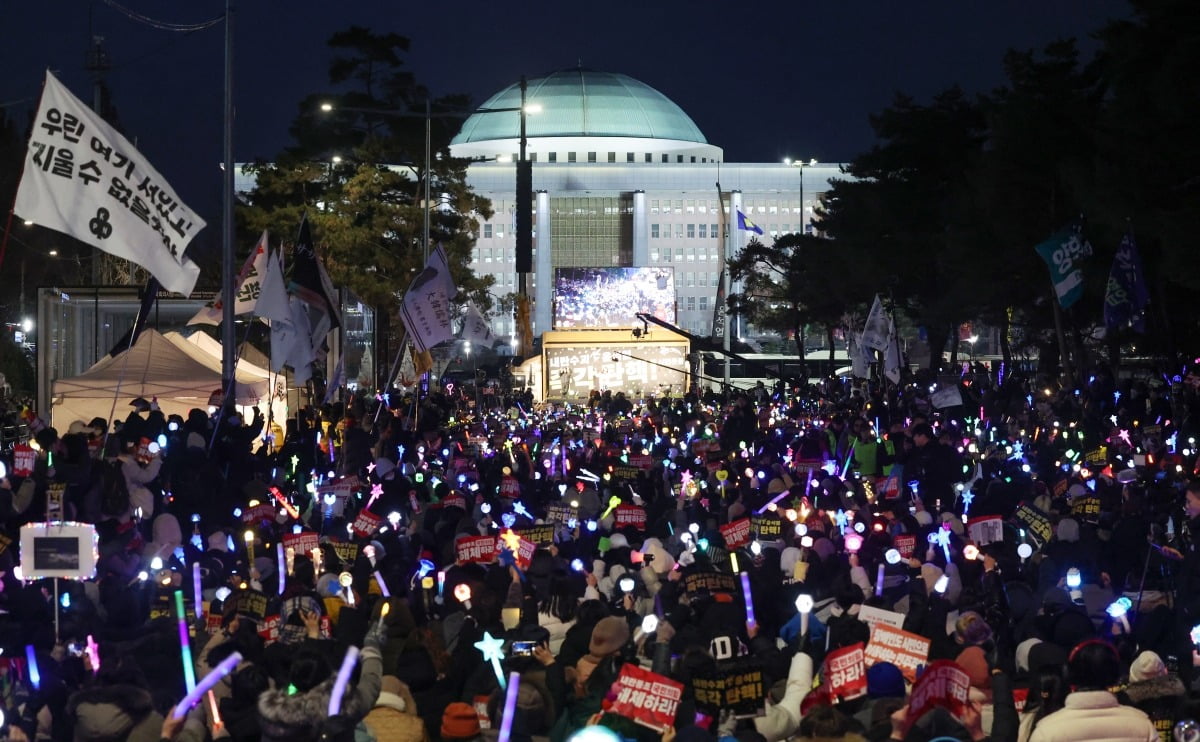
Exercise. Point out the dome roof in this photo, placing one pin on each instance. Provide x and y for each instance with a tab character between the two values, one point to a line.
582	103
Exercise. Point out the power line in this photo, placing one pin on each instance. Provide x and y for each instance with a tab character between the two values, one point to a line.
162	25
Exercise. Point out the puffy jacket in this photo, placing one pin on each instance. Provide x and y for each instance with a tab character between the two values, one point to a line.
783	718
1095	716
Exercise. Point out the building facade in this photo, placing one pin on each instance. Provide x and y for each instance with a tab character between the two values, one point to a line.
622	178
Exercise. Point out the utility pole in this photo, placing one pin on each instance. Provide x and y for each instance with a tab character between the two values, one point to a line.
97	63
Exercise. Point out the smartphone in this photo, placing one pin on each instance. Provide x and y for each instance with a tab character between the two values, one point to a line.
522	649
76	650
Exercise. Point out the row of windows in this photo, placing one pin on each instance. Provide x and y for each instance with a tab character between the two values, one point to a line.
684	255
612	157
749	206
692	231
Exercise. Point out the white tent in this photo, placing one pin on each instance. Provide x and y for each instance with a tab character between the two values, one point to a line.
153	367
203	348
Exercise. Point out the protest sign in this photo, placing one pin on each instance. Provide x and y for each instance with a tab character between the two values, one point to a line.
346	552
302	543
509	486
943	685
475	548
645	697
737	533
268	628
625	473
366	523
714	582
260	512
24	458
1035	523
768	527
642	461
250	603
736	685
1088	507
845	673
538	535
986	529
904	650
561	512
872	617
905	544
521	549
629	516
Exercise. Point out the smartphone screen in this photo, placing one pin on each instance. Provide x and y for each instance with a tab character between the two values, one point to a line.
522	649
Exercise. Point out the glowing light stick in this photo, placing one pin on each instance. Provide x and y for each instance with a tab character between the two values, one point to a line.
185	646
387	607
733	563
492	649
342	680
345	579
1024	551
613	502
317	559
214	676
510	706
383	586
213	711
749	599
197	592
93	653
804	604
971	552
35	674
462	591
249	538
879	580
942	583
441	583
1118	609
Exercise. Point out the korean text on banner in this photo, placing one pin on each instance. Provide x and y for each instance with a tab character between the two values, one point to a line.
846	673
904	650
645	697
943	684
82	178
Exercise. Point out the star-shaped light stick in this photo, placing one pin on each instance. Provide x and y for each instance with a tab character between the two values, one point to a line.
493	650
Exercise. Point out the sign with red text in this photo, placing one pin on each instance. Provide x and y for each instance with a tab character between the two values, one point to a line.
475	548
366	523
260	512
943	685
846	673
645	697
737	533
24	458
904	650
905	544
510	487
303	543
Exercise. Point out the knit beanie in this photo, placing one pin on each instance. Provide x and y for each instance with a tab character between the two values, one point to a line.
460	721
1145	666
884	680
974	662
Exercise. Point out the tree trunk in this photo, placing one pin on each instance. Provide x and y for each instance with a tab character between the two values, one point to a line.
936	337
954	341
829	339
1005	345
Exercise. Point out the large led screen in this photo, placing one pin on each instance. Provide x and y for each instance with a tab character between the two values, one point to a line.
636	369
611	298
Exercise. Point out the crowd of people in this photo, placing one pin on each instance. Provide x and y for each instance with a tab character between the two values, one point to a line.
816	564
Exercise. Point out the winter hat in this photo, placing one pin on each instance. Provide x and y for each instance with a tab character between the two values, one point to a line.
195	440
930	573
955	522
974	662
972	629
924	518
618	541
662	561
787	561
1145	666
884	680
1068	530
218	541
609	635
1076	490
1023	651
824	548
460	721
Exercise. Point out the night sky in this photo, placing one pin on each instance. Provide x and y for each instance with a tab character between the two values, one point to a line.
764	81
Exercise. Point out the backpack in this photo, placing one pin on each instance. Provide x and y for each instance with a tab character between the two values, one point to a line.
114	492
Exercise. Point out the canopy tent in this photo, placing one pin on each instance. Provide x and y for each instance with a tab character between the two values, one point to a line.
153	367
203	348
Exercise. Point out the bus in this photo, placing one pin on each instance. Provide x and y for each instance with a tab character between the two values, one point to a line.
770	367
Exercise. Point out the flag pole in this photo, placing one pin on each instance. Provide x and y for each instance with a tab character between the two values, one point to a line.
228	331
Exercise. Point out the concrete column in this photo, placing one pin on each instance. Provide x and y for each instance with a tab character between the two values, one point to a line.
543	307
641	231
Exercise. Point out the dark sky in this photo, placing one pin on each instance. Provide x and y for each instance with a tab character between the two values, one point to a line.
762	80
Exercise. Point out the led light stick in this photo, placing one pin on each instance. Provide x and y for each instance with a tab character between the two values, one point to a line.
285	503
93	653
214	711
249	538
387	607
492	649
383	588
185	646
35	674
214	676
804	604
749	599
345	579
317	560
733	562
289	555
510	706
197	590
342	680
441	583
1118	609
1024	551
462	591
879	580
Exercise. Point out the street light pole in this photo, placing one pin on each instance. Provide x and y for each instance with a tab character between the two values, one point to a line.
428	167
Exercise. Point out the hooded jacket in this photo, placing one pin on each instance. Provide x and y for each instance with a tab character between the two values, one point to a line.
1095	716
281	714
114	713
1161	698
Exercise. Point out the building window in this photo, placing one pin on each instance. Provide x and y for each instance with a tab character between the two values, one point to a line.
703	304
691	231
591	156
487	231
693	158
691	255
666	159
703	230
653	206
689	280
654	256
679	231
702	279
691	303
678	158
713	229
679	255
487	254
552	156
654	231
612	156
570	157
666	255
691	206
649	157
628	157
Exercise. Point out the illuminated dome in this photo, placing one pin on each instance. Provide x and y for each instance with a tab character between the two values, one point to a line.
574	108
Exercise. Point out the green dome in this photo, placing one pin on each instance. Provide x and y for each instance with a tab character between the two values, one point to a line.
582	103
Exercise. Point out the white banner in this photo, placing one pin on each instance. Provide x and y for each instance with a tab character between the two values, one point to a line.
425	310
248	287
84	179
947	396
476	329
875	333
891	360
273	297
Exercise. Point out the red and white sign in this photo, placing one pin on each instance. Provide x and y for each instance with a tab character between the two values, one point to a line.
24	458
260	512
475	548
509	486
268	628
737	533
454	501
525	549
904	650
846	673
985	530
629	516
905	544
943	684
366	523
645	697
303	543
642	461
